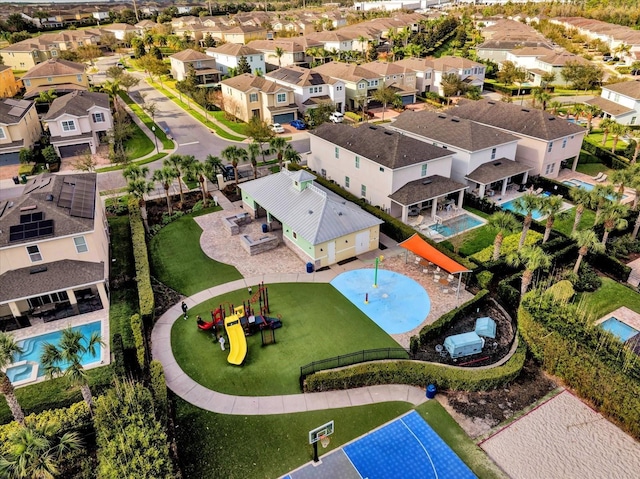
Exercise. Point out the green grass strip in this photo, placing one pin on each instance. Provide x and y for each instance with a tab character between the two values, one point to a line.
238	126
151	159
139	144
146	119
209	124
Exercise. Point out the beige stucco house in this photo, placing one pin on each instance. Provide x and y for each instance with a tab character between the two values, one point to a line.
248	96
61	75
318	225
9	86
19	128
204	67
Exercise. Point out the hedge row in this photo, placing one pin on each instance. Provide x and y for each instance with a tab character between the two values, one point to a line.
607	385
159	390
509	245
138	338
610	266
392	227
141	258
419	374
605	156
117	349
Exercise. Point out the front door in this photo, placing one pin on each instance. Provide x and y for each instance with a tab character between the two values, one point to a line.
331	252
362	242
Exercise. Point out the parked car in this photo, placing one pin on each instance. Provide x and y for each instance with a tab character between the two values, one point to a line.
229	173
336	117
120	65
298	124
276	128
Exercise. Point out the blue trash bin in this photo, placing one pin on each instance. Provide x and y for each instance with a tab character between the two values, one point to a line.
309	267
265	228
431	391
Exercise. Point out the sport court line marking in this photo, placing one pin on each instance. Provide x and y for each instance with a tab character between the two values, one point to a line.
189	143
421	445
352	464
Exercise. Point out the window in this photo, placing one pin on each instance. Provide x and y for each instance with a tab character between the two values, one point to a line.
98	117
337	152
564	142
81	244
549	169
338	88
357	162
253	97
323	172
54	53
27	82
34	253
633	120
68	125
423	171
79	77
428	76
493	153
616	98
282	97
347	181
363	190
550	147
362	86
2	134
310	90
50	79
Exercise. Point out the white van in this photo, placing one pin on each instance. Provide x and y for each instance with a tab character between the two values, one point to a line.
336	117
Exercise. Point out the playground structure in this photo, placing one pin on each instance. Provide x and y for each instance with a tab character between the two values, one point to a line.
242	321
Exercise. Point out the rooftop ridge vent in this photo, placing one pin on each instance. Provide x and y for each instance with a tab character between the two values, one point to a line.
525	110
38	269
388	133
442	115
455	119
317	190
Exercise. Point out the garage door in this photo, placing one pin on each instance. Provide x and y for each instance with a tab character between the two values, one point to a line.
73	150
284	118
408	100
9	159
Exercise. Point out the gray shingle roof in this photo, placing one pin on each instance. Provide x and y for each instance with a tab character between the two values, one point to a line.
511	117
424	189
300	76
451	130
247	81
497	170
12	111
314	213
54	67
59	275
385	147
627	88
77	103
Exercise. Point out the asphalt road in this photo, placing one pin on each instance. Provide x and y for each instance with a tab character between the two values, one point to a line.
191	136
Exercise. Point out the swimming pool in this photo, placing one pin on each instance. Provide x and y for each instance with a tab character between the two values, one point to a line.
399	304
619	329
510	206
27	368
587	186
456	225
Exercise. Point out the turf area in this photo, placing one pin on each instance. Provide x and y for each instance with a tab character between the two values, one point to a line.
610	296
564	222
178	261
318	323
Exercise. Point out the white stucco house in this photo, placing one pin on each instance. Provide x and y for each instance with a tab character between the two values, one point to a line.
228	55
620	102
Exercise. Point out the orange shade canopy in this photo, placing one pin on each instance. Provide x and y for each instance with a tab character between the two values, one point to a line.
420	247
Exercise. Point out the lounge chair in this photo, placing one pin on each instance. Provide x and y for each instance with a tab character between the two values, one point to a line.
602	179
416	221
598	176
538	191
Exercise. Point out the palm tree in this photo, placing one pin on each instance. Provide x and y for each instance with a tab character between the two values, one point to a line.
213	166
177	163
636	137
253	150
165	177
590	112
617	130
47	96
577	111
613	218
542	96
138	186
8	350
527	203
384	95
36	451
623	178
605	126
533	258
555	106
582	199
277	146
587	240
197	169
550	206
278	53
503	222
234	155
600	196
291	155
65	359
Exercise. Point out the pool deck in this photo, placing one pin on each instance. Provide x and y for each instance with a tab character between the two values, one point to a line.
625	315
567	174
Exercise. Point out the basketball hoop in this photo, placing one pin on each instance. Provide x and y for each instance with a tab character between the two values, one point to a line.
324	441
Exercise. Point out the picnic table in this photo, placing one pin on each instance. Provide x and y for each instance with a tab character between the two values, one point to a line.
45	308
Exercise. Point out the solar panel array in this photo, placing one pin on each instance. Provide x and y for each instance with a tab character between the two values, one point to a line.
31	226
84	197
38	183
31	217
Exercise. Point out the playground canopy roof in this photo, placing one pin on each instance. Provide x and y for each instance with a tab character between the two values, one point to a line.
428	252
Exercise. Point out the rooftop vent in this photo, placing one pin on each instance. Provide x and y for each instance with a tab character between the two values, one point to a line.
49	198
373	128
455	119
491	102
442	115
497	163
524	110
38	269
551	118
388	133
310	212
426	182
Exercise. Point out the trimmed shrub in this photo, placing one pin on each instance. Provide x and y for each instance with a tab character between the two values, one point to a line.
484	279
605	156
586	280
117	349
561	291
509	245
508	294
159	390
418	373
610	266
138	338
26	169
141	257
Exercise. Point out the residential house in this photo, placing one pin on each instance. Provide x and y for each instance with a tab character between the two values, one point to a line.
554	63
310	88
526	57
248	96
60	75
620	102
9	86
503	36
317	225
146	25
28	53
283	52
122	30
101	16
54	251
546	143
245	34
19	128
228	55
385	168
477	149
429	72
397	77
78	122
423	69
333	40
360	82
204	67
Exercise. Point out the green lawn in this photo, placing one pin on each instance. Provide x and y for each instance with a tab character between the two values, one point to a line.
215	445
318	323
150	159
597	136
178	261
611	295
564	224
238	126
592	169
139	144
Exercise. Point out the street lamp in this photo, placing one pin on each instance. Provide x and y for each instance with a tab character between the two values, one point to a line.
155	138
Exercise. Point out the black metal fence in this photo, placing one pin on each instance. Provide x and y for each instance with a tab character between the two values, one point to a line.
352	358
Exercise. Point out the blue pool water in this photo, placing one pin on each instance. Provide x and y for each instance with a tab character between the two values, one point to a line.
619	329
399	304
510	206
456	225
33	350
586	186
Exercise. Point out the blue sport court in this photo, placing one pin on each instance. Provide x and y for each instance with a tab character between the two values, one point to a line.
406	448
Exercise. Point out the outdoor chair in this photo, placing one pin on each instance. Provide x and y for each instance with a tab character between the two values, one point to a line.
538	191
602	179
598	176
417	221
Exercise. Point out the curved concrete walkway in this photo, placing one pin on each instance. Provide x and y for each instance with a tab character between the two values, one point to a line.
204	398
